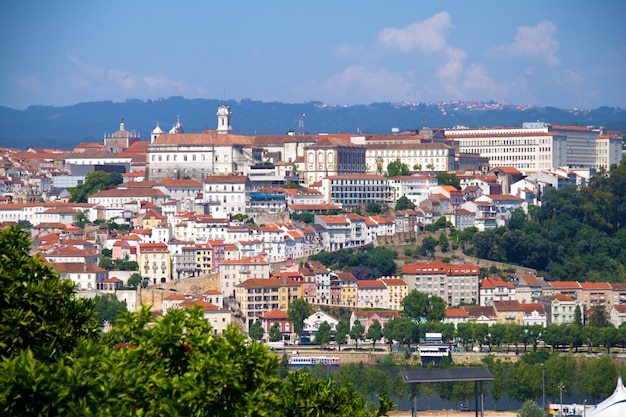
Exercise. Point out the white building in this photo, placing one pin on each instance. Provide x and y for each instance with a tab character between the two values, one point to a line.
226	193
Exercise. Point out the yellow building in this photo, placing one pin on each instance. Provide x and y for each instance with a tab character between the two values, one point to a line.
397	289
261	295
509	311
154	262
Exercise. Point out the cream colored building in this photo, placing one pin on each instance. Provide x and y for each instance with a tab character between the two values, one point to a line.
397	289
257	296
234	272
154	262
540	146
331	156
417	156
453	282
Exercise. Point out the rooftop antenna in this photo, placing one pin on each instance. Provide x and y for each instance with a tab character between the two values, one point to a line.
301	124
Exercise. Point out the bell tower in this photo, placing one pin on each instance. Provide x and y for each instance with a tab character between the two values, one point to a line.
223	119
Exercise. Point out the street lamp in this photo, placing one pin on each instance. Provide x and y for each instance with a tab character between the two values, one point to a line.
561	407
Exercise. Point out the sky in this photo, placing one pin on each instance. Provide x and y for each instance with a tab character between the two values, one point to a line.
568	53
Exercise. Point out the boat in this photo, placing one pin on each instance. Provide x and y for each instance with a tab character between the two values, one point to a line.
432	348
296	360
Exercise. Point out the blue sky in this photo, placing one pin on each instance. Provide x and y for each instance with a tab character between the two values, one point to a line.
556	53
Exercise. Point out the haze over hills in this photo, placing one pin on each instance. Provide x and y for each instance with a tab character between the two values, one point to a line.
64	127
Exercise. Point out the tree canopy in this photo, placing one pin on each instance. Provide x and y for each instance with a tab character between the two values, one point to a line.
397	168
94	181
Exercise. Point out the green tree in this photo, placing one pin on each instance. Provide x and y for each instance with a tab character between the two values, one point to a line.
38	311
24	224
341	333
256	330
429	243
323	335
283	367
81	219
298	311
106	263
107	307
578	321
374	333
417	167
275	334
518	219
445	178
94	181
443	242
403	203
598	318
134	280
356	333
373	208
397	168
421	306
530	409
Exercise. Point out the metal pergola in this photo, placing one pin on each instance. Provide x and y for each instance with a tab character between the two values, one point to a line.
476	374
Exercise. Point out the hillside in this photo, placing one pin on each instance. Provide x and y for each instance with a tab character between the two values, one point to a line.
63	127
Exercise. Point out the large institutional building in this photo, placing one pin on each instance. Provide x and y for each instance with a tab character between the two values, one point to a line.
539	146
220	152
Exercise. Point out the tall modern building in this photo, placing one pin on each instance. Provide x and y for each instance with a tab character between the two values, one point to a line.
540	146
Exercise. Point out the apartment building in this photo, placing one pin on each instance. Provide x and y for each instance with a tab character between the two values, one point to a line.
417	156
495	289
234	272
357	190
258	296
154	262
226	193
452	282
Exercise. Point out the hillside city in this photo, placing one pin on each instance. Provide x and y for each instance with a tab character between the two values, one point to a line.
228	222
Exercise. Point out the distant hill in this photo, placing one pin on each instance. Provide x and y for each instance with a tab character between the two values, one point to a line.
64	127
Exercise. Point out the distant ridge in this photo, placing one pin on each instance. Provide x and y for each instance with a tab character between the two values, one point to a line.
64	127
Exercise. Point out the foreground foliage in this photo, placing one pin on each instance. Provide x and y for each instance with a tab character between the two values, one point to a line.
54	361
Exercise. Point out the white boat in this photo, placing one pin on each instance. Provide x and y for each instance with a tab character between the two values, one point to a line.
295	360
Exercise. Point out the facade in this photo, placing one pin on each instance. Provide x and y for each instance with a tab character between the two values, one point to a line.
495	289
235	272
417	156
332	157
397	289
226	193
563	309
257	296
534	314
455	316
154	262
454	283
85	276
539	146
371	294
509	312
357	190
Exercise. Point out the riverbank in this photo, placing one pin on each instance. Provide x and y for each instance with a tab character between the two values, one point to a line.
453	413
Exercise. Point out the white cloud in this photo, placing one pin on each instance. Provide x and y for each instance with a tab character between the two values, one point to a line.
27	84
534	42
453	67
574	77
427	35
357	84
90	77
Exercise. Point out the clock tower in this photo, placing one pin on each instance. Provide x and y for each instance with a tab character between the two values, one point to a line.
223	119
